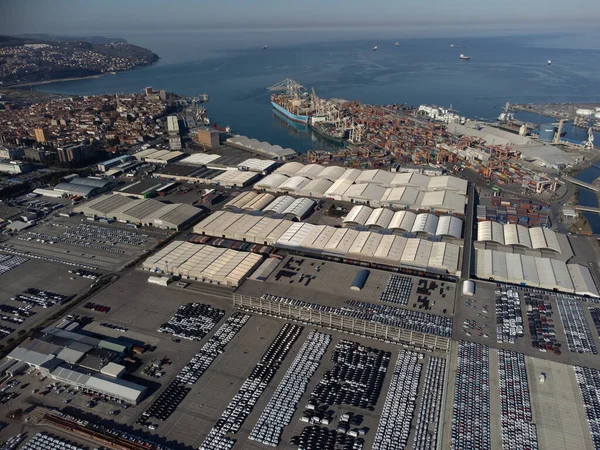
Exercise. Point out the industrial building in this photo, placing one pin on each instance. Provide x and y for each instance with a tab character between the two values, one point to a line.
155	156
251	201
84	187
146	212
534	271
83	361
391	250
106	165
227	171
14	167
369	187
145	188
291	208
514	235
362	216
203	263
264	148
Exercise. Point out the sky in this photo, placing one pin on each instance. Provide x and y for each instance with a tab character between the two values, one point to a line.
417	17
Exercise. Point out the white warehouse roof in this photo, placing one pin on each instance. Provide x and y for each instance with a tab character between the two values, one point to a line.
360	245
280	204
290	169
203	262
293	184
534	271
271	182
536	238
316	188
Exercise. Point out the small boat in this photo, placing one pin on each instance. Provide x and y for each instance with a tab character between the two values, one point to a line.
452	45
265	47
397	44
464	57
375	48
549	62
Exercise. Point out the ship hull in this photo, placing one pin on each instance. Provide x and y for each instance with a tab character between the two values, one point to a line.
289	115
327	135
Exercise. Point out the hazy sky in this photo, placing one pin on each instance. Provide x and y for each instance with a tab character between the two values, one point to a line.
438	17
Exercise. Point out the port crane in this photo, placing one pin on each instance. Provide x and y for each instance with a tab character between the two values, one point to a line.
291	88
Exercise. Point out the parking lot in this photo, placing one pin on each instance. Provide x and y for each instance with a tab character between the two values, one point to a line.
36	274
541	326
90	245
328	283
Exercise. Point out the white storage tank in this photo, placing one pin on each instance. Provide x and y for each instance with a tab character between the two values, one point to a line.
468	288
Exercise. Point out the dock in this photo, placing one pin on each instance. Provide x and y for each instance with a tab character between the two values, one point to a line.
582	184
590	209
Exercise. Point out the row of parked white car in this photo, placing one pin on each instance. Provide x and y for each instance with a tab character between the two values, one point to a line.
244	400
471	412
428	420
577	329
518	431
589	386
212	348
399	407
45	441
9	262
282	405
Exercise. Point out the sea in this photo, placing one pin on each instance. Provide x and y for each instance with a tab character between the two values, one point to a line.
235	71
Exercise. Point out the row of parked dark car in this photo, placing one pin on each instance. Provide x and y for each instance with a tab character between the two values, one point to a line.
192	321
243	402
356	377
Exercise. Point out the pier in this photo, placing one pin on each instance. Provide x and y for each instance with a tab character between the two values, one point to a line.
590	209
582	184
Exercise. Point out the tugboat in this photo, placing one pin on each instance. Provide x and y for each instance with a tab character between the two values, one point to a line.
375	48
549	62
464	57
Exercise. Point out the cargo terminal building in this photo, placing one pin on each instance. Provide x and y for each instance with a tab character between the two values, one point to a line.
83	361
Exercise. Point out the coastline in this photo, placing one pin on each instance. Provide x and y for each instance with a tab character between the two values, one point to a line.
89	77
59	80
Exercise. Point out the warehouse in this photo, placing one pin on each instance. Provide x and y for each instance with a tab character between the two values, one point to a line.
331	173
191	173
84	187
251	201
369	187
289	169
126	391
279	205
262	166
514	235
424	223
155	156
293	184
316	188
534	271
397	251
272	151
299	209
145	188
235	178
199	159
203	263
146	212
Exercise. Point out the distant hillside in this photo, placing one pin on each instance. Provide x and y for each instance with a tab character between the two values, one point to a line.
90	39
30	59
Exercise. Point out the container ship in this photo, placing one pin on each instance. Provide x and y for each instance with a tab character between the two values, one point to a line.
294	102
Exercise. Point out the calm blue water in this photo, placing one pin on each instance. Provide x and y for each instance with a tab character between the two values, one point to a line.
590	198
235	73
